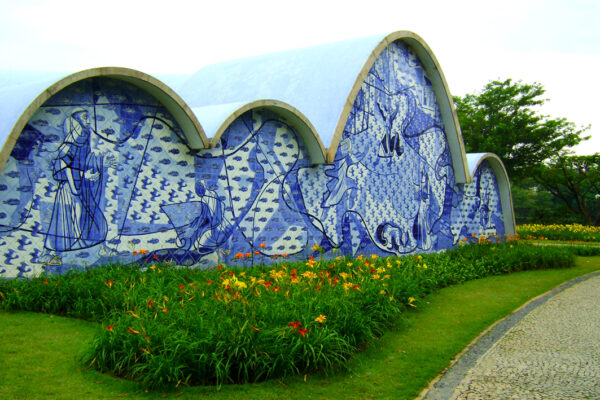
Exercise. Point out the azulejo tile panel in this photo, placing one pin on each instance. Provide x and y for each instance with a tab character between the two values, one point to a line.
102	170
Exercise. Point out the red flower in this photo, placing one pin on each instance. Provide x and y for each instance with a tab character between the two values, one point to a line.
109	283
219	267
230	273
134	253
150	303
303	331
317	287
45	282
181	286
268	283
276	288
294	271
209	282
355	287
110	328
295	325
373	271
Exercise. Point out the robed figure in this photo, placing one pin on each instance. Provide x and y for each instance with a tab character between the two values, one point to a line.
77	220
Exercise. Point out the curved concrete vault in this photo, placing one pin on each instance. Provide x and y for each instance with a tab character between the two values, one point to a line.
352	145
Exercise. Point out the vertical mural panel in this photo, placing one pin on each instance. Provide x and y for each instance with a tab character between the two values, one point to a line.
390	188
479	211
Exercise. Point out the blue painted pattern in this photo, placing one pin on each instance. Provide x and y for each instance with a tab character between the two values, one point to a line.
102	169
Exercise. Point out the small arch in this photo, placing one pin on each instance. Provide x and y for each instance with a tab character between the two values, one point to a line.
214	118
165	95
440	87
474	161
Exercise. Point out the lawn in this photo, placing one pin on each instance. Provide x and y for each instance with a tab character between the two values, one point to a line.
39	352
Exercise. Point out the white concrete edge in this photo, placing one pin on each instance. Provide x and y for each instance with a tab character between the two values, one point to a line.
508	212
164	94
440	87
290	115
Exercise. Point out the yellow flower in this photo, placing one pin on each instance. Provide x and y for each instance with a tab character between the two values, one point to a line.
424	266
240	284
375	276
316	247
349	264
348	285
373	255
344	275
382	292
338	258
321	318
309	274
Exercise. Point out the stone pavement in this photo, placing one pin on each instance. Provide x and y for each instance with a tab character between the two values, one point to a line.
548	349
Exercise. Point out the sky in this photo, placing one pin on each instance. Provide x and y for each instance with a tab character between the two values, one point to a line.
553	42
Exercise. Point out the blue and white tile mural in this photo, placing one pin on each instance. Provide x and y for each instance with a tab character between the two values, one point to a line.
102	169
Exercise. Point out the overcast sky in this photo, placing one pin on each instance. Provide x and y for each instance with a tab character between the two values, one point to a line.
555	43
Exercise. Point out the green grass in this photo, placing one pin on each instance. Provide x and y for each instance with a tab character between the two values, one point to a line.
39	351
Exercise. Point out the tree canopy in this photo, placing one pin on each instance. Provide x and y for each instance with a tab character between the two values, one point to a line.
575	180
503	119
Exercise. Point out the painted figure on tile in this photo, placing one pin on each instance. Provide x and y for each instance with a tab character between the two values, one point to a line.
77	220
205	229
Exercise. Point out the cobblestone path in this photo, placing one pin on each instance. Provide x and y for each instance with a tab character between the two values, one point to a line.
552	352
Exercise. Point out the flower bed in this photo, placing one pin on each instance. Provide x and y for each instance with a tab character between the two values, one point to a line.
164	325
571	233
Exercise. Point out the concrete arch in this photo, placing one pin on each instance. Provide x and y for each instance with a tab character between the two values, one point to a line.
218	118
474	161
37	97
440	86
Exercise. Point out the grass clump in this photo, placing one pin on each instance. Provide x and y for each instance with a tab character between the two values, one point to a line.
164	325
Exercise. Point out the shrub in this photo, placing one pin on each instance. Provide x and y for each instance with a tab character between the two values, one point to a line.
164	325
571	232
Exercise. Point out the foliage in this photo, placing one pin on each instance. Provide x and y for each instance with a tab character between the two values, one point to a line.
575	180
502	119
166	326
39	348
535	205
572	232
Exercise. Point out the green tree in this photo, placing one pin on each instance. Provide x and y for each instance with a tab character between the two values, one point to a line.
575	180
503	119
